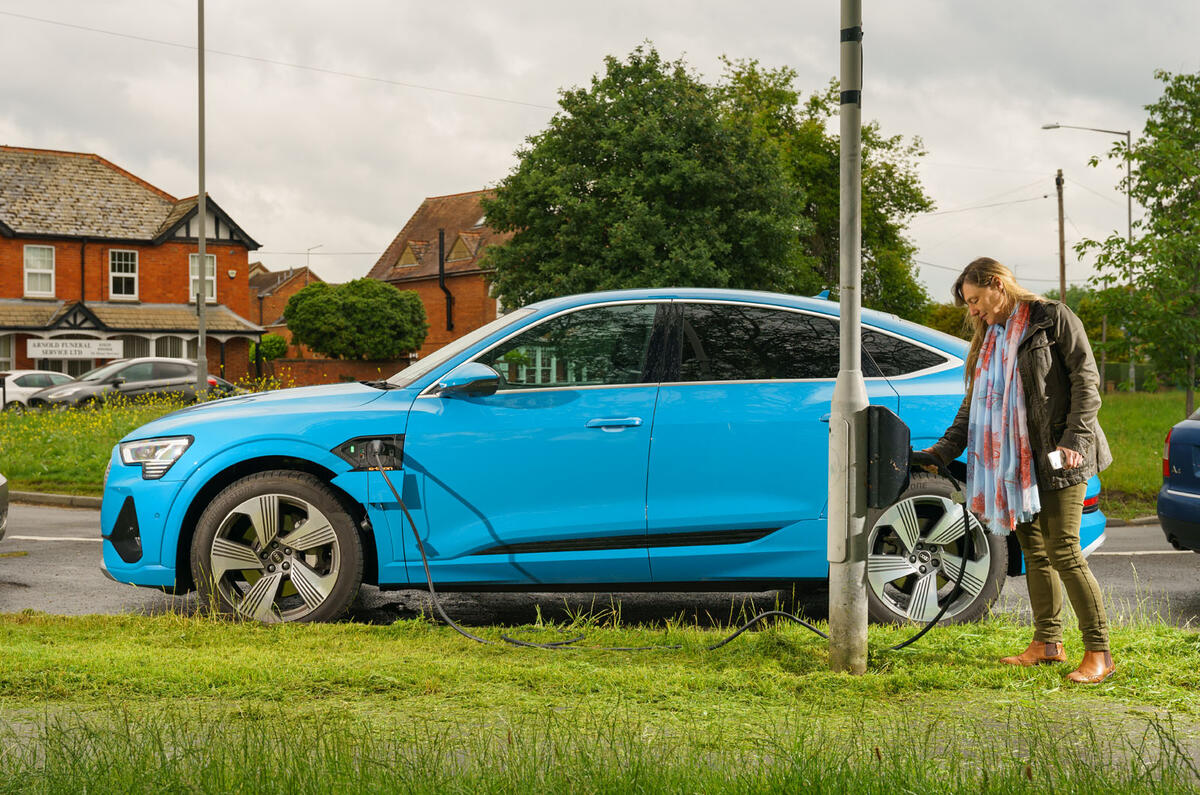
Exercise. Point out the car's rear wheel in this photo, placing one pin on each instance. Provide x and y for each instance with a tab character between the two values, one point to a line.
915	553
277	546
15	406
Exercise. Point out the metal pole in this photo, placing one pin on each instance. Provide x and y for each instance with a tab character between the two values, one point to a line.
202	205
847	437
1062	242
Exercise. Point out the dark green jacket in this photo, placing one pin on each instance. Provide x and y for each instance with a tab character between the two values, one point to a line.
1062	396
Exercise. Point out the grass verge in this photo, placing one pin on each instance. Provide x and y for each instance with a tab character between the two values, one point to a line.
167	701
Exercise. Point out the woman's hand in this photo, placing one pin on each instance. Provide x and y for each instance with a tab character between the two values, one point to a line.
1070	458
925	460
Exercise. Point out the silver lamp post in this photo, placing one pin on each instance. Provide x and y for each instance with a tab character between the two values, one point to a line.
202	212
1128	226
309	251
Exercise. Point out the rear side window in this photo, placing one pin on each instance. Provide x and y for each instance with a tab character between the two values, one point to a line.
734	342
893	356
164	370
598	346
142	371
33	380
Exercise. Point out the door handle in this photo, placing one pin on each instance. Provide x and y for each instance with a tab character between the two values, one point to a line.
824	418
618	422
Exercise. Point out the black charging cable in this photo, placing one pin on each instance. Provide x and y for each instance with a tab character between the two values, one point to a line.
376	447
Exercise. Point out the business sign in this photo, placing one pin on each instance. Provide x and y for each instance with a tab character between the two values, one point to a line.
75	349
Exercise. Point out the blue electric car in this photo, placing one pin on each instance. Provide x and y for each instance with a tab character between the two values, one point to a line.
670	439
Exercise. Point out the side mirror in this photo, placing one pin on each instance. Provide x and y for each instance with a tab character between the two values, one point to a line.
470	379
117	382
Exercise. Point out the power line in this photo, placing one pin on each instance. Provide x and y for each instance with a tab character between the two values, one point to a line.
1108	199
324	253
983	206
1075	281
273	62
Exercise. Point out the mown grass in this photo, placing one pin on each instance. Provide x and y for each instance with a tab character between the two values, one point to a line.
1136	424
196	703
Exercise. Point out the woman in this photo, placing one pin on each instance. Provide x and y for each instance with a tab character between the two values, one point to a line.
1032	392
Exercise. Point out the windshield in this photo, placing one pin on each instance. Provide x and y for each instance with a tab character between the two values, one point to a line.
103	371
451	349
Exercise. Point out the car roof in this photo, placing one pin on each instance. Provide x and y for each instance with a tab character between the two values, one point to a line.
8	373
870	317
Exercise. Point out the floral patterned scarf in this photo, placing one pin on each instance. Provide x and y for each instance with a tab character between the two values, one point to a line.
1001	486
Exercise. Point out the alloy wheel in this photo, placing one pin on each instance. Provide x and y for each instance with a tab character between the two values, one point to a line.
915	554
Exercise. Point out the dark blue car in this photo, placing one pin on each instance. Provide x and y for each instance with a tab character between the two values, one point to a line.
664	439
1179	498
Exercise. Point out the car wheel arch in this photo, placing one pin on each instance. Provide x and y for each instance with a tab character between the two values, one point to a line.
235	472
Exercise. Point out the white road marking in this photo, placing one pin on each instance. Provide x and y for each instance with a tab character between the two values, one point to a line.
1147	552
51	538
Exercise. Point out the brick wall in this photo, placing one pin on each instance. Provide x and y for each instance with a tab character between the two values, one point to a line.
473	307
306	372
163	276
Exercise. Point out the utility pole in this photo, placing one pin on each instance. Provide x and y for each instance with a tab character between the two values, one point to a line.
1062	242
202	212
847	430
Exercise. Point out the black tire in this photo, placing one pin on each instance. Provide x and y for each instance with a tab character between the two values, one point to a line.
914	550
255	556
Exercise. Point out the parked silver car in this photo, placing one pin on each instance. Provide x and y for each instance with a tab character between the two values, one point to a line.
134	378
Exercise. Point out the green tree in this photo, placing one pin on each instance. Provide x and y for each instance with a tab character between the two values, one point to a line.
641	181
948	318
273	347
1157	275
891	188
361	319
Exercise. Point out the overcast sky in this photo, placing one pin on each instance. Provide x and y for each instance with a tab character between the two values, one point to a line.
304	157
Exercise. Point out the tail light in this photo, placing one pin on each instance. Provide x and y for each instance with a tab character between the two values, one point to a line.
1167	455
1091	504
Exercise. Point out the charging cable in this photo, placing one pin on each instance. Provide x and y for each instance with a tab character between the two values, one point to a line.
376	447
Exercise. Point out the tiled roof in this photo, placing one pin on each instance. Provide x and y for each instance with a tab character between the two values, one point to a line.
66	193
458	215
122	316
265	282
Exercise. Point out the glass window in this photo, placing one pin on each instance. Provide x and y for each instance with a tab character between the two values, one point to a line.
210	277
6	351
604	345
32	379
55	380
171	370
39	270
142	371
733	342
122	274
169	346
132	346
894	356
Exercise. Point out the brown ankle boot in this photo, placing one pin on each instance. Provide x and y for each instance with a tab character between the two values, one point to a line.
1094	669
1038	653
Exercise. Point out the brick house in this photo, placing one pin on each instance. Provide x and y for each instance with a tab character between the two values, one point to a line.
89	251
456	300
269	294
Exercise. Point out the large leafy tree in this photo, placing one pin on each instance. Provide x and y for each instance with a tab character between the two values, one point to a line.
641	181
891	189
1154	280
361	319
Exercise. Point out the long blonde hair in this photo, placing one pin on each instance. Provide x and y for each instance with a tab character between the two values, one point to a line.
986	272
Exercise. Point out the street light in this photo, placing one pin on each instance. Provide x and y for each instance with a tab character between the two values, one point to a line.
1128	222
307	251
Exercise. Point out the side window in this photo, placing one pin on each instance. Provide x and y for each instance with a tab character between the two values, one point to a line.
142	371
732	342
163	370
894	356
603	345
32	380
55	380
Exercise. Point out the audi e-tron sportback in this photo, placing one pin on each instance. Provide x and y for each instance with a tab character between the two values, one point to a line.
670	439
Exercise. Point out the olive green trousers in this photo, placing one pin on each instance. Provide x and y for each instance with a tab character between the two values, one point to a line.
1053	560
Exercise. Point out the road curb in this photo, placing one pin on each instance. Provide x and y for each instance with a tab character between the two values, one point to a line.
62	500
1135	522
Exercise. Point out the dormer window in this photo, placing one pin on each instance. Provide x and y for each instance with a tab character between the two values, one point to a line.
408	258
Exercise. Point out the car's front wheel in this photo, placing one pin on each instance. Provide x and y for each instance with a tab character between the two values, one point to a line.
277	546
915	552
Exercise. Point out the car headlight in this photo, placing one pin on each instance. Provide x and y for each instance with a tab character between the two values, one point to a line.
155	455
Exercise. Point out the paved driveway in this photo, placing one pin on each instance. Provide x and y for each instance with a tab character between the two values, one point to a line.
50	562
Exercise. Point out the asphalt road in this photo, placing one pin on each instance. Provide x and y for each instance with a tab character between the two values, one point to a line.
50	559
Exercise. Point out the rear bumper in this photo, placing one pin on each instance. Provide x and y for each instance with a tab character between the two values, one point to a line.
3	506
1179	514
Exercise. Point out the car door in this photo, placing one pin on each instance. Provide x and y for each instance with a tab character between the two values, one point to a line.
545	480
737	484
174	378
137	379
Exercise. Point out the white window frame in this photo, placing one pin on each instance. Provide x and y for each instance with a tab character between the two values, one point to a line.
6	351
32	293
114	275
193	278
